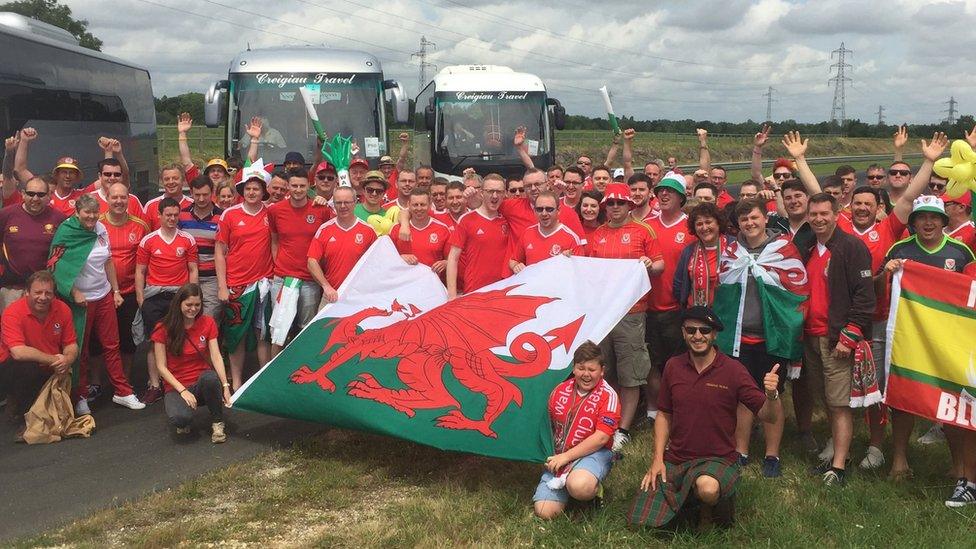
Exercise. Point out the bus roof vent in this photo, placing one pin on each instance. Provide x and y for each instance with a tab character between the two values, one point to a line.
36	27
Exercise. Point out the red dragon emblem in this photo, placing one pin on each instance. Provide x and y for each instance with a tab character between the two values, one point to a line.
459	334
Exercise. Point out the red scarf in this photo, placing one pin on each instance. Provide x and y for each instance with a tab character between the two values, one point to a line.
567	404
702	273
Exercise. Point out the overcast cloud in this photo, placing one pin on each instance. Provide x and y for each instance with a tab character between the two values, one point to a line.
701	60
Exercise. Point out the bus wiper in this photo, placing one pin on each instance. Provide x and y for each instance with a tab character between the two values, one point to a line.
484	156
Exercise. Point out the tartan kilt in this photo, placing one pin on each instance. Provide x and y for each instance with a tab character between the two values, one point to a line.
658	508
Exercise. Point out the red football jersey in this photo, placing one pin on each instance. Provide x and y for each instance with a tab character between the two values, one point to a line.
672	240
484	249
295	228
65	204
520	216
167	261
150	212
632	240
337	249
124	241
248	241
430	243
134	209
534	246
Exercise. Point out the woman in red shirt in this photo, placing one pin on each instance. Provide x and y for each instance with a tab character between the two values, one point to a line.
585	413
189	362
589	211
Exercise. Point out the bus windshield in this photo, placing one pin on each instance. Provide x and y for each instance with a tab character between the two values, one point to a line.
348	104
483	123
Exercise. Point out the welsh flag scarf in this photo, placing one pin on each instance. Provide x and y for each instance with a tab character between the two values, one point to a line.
70	249
783	287
704	272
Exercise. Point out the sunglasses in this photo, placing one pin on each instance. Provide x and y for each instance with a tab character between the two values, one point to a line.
781	175
703	330
937	186
904	173
612	203
374	190
111	174
231	171
581	163
876	177
325	177
546	209
35	194
518	190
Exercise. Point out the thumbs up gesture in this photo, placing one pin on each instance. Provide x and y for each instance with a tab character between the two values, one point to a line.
771	381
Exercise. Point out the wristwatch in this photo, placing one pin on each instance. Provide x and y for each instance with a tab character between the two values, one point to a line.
774	396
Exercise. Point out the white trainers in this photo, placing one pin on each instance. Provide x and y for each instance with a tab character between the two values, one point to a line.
218	435
131	402
652	415
873	459
620	438
828	452
82	409
183	430
933	435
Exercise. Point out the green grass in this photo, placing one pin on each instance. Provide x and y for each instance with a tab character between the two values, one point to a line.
345	488
206	143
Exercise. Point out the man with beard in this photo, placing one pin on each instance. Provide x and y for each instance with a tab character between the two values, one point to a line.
455	205
693	433
640	194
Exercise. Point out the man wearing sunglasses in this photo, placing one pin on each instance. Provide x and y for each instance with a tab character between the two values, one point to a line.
623	237
515	187
66	174
325	179
374	194
899	175
546	239
520	212
26	231
111	171
693	433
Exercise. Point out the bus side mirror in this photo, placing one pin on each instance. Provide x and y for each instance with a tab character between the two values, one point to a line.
213	101
558	113
401	106
430	117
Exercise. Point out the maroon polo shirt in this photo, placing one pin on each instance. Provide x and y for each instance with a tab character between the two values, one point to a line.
702	406
26	241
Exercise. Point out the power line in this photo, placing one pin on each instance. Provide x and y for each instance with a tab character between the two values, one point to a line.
422	56
951	119
881	115
840	82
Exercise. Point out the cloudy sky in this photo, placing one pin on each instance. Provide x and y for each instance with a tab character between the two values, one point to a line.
701	60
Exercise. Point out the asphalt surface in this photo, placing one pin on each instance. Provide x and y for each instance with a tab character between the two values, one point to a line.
130	455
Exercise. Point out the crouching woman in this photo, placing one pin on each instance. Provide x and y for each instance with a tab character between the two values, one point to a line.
585	412
189	362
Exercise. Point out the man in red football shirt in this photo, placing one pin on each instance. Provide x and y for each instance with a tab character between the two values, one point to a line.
622	237
640	193
406	181
520	212
663	334
166	259
171	179
338	245
125	232
547	238
111	171
293	223
960	211
422	239
67	175
479	244
456	205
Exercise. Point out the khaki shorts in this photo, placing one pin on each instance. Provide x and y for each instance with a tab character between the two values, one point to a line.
826	374
625	353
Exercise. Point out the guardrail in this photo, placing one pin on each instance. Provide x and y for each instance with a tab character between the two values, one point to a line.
881	158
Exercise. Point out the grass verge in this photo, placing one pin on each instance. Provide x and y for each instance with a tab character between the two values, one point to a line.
347	489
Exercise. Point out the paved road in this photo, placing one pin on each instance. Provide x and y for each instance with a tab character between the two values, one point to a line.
131	454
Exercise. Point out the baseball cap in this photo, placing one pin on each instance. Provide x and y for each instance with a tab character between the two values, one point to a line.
359	162
965	199
215	162
386	160
618	174
703	314
67	162
617	191
325	166
928	203
295	157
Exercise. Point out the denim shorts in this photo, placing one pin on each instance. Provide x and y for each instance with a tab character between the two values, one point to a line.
598	464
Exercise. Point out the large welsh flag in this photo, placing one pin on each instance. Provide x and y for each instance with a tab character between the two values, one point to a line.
782	287
931	358
394	356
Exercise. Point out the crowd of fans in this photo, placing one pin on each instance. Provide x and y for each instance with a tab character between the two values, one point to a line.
201	277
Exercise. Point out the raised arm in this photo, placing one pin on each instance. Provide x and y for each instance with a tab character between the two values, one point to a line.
254	132
931	151
9	179
183	125
901	138
758	142
797	147
612	153
20	158
522	147
628	155
116	146
404	151
704	157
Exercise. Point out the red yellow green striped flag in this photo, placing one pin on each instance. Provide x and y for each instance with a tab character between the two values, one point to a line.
931	358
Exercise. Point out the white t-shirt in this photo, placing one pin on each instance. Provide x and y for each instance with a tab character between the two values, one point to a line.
92	280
